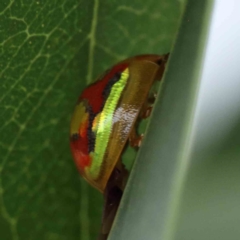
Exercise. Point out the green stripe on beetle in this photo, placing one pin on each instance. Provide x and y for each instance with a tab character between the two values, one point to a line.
105	125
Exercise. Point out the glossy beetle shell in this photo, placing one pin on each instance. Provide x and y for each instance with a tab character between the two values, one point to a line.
106	112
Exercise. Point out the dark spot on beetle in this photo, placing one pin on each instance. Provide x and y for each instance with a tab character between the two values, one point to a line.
110	84
90	134
75	137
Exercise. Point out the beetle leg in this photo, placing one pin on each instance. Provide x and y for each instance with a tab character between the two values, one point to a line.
135	139
147	107
152	98
112	196
146	112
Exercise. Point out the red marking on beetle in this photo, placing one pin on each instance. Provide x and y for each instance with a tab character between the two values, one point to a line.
94	92
79	148
80	153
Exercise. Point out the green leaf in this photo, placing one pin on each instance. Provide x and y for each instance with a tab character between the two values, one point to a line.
50	50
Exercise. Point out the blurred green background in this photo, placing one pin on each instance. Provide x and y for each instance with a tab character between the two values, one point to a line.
49	51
